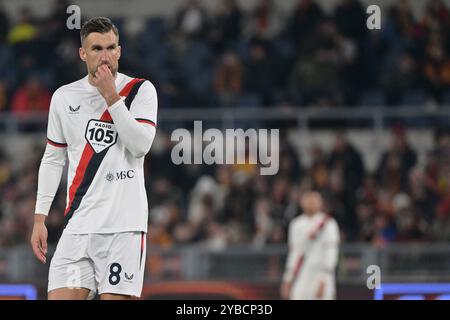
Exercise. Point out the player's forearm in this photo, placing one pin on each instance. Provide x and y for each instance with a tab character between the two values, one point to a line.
136	137
50	172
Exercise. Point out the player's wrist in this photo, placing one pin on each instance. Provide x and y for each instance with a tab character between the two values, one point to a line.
112	98
39	218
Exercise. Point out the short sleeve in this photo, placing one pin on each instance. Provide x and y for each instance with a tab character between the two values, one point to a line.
144	107
55	135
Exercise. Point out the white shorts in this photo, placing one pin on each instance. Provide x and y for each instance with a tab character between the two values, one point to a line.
307	287
103	263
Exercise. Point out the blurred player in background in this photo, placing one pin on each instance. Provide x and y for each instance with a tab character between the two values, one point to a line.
313	252
106	123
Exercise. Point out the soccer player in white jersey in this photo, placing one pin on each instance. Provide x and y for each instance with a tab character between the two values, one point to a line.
313	253
106	124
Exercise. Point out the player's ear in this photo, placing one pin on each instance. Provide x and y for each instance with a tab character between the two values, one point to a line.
119	52
82	53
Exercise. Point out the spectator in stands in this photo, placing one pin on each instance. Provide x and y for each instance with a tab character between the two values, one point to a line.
423	194
31	97
228	78
384	232
399	35
350	18
436	70
401	77
410	223
440	228
238	206
259	69
227	25
279	199
264	223
3	96
8	70
25	30
9	234
316	75
436	17
303	22
54	26
192	20
159	234
290	166
318	171
347	163
348	159
366	223
216	237
266	21
327	47
205	201
395	164
67	65
6	179
4	24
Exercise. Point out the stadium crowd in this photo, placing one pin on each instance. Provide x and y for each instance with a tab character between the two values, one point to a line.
226	205
261	57
229	56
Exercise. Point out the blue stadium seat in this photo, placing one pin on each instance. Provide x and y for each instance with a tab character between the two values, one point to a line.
249	100
195	66
446	98
372	98
153	35
156	26
285	48
241	48
414	98
200	82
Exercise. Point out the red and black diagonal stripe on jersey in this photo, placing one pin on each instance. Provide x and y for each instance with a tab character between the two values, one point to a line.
90	161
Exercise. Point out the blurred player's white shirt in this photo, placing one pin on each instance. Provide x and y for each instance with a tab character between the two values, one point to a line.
313	253
106	190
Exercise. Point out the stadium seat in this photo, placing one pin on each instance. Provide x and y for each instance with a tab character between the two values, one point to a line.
285	48
373	98
414	98
195	67
156	26
249	100
446	98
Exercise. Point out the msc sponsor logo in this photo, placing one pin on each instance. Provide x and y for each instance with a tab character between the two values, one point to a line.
120	175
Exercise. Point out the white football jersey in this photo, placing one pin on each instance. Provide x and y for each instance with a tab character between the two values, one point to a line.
313	254
106	190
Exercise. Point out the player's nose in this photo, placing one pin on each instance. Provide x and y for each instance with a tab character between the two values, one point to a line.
104	57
